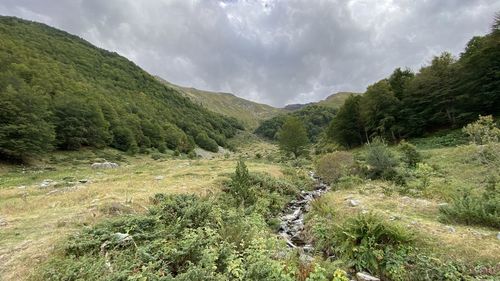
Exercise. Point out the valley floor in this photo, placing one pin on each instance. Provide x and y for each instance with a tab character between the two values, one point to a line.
34	219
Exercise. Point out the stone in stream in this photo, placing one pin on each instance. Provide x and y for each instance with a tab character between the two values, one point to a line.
363	276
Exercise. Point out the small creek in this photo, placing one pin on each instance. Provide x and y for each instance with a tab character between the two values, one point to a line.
292	219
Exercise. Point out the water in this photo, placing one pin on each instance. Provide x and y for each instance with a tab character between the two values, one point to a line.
292	219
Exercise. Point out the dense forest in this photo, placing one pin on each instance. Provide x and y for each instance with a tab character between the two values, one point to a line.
315	117
448	93
57	91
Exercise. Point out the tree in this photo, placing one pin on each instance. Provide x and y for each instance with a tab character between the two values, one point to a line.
379	109
24	127
347	128
292	136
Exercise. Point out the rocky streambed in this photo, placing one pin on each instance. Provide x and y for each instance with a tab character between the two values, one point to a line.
292	219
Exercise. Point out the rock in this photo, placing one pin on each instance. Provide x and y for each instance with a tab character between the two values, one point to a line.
3	222
83	181
450	229
22	187
353	202
47	183
104	165
498	235
442	204
159	178
363	276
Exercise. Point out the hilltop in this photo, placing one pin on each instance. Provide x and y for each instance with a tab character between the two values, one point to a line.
248	112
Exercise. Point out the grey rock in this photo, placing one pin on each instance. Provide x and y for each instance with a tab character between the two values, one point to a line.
353	202
104	165
363	276
159	178
47	183
498	235
450	229
3	222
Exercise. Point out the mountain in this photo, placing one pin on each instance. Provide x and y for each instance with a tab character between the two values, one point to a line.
335	100
59	91
248	112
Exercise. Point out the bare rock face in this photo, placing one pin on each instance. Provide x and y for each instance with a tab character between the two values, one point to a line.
363	276
104	165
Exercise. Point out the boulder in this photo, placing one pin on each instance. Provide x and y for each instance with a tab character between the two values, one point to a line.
353	202
104	165
363	276
498	235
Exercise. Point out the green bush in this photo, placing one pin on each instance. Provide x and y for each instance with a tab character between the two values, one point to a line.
381	161
410	155
332	166
472	209
205	142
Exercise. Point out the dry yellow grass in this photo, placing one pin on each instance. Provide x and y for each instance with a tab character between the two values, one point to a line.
37	219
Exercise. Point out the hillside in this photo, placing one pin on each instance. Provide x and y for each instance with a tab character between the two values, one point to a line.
336	100
248	112
59	91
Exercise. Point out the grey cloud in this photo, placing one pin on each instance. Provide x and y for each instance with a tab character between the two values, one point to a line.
270	51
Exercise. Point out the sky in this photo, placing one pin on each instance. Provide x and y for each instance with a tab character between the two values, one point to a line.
270	51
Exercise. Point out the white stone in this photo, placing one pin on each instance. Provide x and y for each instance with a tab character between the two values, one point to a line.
353	202
363	276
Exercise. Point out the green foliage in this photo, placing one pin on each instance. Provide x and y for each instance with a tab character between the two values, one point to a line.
473	209
446	94
25	128
331	167
346	128
292	136
240	185
57	90
205	142
315	118
410	155
483	131
381	161
365	240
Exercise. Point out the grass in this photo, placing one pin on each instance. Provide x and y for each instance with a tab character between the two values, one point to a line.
453	169
37	219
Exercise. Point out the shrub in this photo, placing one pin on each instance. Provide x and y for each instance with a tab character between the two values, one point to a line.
364	241
240	186
331	167
472	209
483	131
205	142
381	162
410	155
157	156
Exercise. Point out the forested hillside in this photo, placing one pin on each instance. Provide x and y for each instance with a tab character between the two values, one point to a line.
315	117
58	91
448	93
248	112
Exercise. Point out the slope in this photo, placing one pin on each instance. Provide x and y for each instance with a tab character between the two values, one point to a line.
59	91
248	112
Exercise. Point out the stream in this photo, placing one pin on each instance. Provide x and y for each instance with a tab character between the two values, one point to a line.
292	219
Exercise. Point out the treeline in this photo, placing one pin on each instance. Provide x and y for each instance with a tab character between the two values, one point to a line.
315	118
448	93
59	91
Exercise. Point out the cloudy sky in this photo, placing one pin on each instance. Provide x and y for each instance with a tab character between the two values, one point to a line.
270	51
